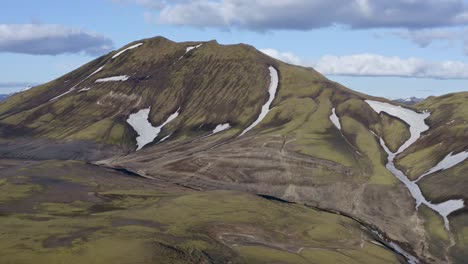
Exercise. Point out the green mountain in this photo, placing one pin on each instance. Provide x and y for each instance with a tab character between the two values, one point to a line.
225	121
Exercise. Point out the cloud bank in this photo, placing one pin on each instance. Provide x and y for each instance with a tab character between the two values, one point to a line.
263	15
38	39
377	65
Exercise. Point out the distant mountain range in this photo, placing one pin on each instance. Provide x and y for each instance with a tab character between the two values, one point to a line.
3	96
409	101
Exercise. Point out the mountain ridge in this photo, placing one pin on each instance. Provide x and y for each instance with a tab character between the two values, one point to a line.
296	153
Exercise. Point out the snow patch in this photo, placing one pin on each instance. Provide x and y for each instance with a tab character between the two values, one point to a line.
96	71
85	89
146	132
417	126
74	87
221	128
335	119
266	107
451	122
188	49
443	209
192	47
413	119
129	48
63	94
120	78
165	138
448	162
25	89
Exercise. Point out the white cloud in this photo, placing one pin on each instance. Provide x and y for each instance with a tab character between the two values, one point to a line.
38	39
424	38
261	15
377	65
288	57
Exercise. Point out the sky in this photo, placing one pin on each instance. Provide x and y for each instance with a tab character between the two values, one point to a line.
393	49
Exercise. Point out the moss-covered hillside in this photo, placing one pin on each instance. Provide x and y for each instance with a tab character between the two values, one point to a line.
296	153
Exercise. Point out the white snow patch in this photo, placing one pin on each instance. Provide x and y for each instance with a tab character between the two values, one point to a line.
188	49
417	126
266	107
192	47
221	128
448	162
165	138
129	48
444	209
63	94
85	89
451	122
25	89
74	87
413	119
96	71
146	132
335	119
120	78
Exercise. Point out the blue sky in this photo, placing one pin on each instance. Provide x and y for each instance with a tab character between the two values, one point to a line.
385	48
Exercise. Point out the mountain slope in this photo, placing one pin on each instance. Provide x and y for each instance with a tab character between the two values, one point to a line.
214	117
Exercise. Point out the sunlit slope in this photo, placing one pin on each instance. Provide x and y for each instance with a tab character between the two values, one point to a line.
448	135
211	84
307	139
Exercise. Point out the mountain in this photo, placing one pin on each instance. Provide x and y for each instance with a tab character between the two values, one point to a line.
223	121
408	101
3	97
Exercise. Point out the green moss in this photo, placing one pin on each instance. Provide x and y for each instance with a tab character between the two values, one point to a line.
393	131
367	145
258	254
416	162
10	191
76	207
105	131
175	228
435	231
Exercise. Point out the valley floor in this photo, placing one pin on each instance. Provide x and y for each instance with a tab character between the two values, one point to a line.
73	212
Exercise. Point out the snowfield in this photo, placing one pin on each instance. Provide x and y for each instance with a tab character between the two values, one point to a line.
193	47
120	78
443	209
266	107
417	126
146	132
188	49
448	162
221	128
413	119
129	48
335	119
